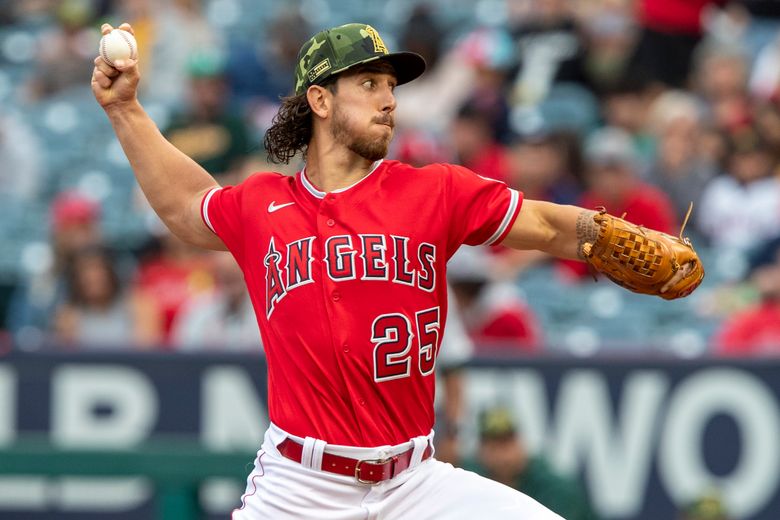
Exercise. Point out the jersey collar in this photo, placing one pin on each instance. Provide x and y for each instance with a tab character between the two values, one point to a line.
321	194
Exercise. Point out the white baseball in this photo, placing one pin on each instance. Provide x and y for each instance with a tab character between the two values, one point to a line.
118	45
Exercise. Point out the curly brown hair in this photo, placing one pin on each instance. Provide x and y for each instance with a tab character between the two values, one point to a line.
291	128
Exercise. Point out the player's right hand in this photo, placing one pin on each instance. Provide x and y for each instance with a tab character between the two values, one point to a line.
115	86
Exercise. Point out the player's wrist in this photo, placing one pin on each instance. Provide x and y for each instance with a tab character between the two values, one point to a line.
120	109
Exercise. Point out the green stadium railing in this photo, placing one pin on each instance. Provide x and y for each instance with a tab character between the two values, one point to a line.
175	467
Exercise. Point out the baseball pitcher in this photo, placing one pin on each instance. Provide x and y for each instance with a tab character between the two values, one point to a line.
345	264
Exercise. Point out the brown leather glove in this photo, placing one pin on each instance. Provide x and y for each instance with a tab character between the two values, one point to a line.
643	260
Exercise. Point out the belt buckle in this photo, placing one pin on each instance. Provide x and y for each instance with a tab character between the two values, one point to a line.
392	460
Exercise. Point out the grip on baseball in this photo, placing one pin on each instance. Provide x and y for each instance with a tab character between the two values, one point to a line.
118	45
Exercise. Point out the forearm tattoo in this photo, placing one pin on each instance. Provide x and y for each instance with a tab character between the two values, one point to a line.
587	230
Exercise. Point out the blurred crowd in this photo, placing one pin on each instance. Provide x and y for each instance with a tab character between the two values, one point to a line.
504	456
640	106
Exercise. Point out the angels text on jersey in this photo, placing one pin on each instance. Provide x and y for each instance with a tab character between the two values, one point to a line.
370	257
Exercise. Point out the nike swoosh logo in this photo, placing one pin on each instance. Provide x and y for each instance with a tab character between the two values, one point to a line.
273	207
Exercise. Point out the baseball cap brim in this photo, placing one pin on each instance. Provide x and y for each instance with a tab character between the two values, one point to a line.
408	65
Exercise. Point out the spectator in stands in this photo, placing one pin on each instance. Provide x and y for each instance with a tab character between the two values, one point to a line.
707	507
209	131
473	70
422	33
721	79
168	33
258	71
75	224
767	122
763	24
430	105
490	51
550	49
609	28
542	165
65	51
755	331
741	208
97	314
679	169
475	146
765	75
459	101
493	312
171	274
21	157
418	148
613	182
625	105
713	145
504	457
222	319
670	33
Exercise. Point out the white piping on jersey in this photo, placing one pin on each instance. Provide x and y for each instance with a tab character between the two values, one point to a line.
513	201
205	211
321	194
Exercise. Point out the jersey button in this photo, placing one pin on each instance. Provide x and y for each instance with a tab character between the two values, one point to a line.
331	199
331	222
346	348
362	402
336	296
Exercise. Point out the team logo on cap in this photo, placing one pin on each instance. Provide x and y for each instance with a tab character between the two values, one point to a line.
379	45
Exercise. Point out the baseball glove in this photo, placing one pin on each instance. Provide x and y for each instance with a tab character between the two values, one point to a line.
643	260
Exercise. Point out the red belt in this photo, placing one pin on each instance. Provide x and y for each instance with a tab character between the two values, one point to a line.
370	471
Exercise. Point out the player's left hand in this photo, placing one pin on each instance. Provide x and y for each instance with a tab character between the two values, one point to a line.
643	260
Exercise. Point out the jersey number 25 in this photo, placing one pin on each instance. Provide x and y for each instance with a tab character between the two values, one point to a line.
393	337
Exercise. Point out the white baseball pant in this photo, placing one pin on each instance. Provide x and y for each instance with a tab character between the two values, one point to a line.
281	489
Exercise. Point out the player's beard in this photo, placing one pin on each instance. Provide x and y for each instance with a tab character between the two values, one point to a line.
345	133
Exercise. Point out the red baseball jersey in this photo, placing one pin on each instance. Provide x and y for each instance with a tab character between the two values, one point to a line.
349	289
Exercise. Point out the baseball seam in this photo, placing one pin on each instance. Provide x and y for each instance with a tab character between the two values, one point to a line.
125	37
103	53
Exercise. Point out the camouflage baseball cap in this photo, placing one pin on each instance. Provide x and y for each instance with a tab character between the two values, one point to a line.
335	50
